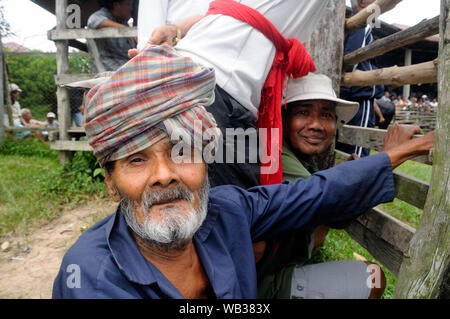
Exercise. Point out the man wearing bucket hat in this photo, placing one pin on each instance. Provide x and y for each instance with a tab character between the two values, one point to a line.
171	235
14	91
310	119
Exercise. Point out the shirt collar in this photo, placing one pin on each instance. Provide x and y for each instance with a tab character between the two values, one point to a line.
310	167
126	253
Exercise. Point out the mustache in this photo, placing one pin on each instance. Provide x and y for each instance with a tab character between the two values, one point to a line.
164	196
151	197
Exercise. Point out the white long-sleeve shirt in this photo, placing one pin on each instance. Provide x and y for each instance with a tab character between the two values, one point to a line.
155	13
241	55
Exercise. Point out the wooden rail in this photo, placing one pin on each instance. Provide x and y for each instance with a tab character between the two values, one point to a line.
64	79
384	236
395	76
397	40
370	138
360	19
72	34
407	188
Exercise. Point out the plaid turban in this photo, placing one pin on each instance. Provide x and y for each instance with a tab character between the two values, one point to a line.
146	100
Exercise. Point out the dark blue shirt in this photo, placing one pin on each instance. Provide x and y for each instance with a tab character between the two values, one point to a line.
352	42
105	262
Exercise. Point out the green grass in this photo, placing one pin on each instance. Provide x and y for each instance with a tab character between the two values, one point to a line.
35	187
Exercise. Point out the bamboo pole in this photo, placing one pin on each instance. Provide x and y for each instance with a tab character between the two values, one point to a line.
361	19
397	40
426	273
395	76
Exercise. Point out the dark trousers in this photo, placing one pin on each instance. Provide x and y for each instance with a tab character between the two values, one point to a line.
229	113
364	118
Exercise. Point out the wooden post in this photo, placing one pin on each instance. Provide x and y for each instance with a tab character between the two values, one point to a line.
62	64
408	62
2	100
7	93
326	47
425	273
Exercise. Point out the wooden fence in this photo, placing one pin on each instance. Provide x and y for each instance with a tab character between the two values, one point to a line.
419	257
425	119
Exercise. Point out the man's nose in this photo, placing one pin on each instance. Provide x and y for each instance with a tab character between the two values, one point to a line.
314	123
163	174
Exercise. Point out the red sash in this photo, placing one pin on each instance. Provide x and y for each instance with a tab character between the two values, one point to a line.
291	59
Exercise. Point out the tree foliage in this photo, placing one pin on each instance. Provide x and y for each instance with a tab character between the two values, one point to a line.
35	76
5	29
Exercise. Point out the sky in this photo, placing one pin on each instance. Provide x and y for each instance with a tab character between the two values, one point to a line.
30	23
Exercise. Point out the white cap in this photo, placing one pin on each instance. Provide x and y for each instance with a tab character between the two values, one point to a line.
51	115
319	87
14	87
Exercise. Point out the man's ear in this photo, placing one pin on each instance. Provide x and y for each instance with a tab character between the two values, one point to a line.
111	189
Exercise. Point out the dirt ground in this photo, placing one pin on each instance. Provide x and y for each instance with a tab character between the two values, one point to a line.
28	268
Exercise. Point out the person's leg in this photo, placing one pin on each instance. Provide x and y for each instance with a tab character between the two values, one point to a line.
349	279
78	118
368	121
229	114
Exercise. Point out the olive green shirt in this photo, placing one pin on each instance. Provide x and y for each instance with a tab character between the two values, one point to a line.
293	167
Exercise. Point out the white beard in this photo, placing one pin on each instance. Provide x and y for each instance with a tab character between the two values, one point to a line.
171	228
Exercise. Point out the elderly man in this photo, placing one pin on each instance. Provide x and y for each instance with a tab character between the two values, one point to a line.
26	120
172	236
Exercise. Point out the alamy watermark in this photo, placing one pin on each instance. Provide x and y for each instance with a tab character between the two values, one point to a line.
73	20
238	146
373	20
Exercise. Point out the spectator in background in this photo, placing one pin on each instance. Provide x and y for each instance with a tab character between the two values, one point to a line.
413	105
387	108
15	91
51	122
386	96
365	96
155	13
401	102
409	103
26	120
420	103
76	106
434	103
113	51
426	104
